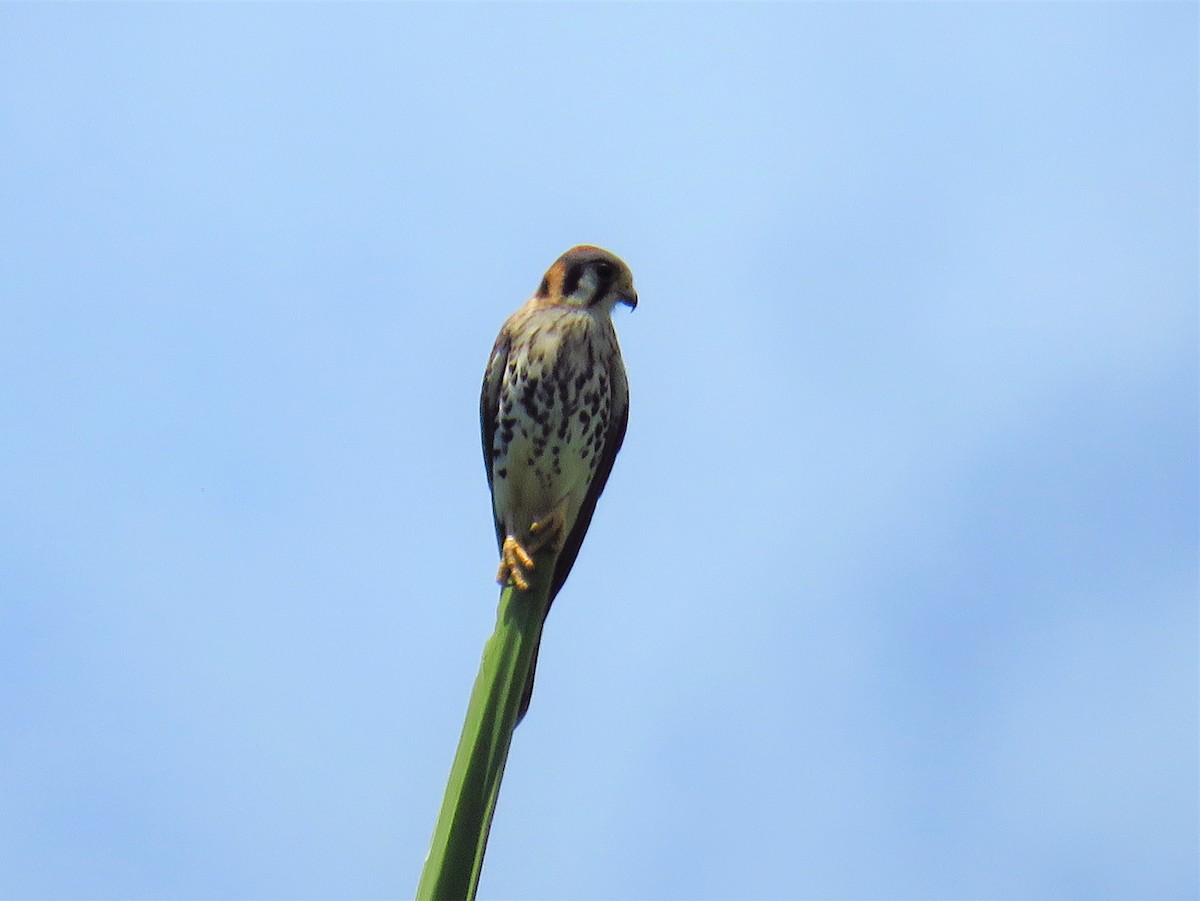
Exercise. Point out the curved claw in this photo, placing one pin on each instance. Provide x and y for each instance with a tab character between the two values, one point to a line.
514	561
549	531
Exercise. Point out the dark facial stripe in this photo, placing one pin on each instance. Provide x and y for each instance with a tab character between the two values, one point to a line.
604	280
572	279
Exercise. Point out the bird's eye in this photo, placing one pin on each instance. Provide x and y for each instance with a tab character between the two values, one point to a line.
604	268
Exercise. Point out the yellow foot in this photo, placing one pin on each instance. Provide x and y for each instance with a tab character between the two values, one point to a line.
548	531
513	561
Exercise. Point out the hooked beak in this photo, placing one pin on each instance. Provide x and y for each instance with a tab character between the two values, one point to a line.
629	298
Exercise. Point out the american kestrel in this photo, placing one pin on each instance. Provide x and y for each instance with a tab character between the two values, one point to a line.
553	412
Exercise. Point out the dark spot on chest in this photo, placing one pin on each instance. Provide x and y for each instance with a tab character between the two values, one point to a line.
528	394
507	425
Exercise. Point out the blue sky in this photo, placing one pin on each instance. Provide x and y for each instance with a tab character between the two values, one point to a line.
893	591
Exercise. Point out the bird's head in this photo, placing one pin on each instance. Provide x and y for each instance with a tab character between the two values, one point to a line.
589	277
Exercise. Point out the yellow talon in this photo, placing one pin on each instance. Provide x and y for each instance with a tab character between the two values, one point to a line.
549	529
513	560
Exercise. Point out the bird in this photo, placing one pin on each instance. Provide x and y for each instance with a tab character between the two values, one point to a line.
553	413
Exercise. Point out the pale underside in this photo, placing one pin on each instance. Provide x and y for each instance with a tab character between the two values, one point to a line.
560	416
555	376
553	410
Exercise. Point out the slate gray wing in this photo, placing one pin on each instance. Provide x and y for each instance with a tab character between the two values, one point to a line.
489	414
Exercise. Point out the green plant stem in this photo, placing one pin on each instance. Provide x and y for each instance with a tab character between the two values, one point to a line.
455	858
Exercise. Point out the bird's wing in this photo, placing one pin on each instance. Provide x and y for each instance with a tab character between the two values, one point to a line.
489	413
618	419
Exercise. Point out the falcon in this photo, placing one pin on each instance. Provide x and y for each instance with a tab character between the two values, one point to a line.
553	411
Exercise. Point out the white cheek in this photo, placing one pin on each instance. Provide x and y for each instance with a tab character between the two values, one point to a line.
586	289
